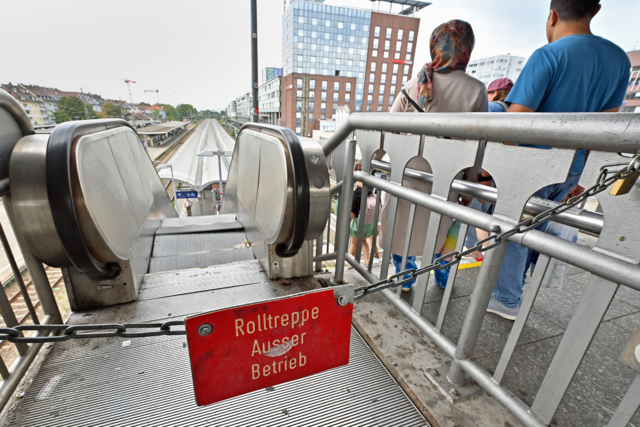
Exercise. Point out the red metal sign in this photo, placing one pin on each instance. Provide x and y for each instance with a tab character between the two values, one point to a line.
241	349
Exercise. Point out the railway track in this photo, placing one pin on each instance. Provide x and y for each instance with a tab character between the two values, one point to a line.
169	155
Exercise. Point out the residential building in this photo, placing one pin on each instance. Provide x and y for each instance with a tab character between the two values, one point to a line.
269	73
269	101
32	105
244	106
334	56
631	102
232	110
489	69
152	109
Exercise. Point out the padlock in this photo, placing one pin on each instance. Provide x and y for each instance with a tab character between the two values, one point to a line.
624	185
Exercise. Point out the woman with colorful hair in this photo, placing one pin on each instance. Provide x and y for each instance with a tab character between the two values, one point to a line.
441	86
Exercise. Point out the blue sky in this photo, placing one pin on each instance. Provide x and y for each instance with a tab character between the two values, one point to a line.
198	51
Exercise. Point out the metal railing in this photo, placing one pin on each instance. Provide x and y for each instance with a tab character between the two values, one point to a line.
12	375
519	172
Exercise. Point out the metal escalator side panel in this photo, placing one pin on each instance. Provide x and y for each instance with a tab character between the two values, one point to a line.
61	200
27	170
319	187
110	199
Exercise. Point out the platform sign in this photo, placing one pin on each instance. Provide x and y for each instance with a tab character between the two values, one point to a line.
237	350
187	194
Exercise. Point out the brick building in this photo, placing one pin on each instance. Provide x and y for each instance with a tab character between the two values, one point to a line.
631	102
335	56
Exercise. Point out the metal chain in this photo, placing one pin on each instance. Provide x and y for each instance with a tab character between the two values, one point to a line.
603	182
68	332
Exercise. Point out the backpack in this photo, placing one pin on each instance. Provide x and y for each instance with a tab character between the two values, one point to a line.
372	200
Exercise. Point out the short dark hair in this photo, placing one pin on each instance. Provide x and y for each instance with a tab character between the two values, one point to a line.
574	10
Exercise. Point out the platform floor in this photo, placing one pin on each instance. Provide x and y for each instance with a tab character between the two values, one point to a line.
148	381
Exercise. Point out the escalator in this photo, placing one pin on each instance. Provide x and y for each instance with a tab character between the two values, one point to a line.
87	199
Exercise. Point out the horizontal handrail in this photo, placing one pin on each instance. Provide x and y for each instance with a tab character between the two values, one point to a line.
586	221
619	132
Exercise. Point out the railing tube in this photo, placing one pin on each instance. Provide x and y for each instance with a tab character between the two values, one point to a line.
344	209
35	267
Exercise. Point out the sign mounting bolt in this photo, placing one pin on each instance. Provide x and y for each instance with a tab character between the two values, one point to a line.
205	329
343	300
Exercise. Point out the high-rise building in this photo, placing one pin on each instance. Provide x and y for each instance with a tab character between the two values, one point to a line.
269	73
631	102
488	69
269	100
334	56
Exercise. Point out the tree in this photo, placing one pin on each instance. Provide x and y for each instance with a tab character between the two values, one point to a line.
186	111
72	108
172	114
144	103
111	110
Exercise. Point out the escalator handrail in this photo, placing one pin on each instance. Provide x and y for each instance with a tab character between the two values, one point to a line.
301	195
60	194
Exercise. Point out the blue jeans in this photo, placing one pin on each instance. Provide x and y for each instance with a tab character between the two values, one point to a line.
472	235
517	260
441	275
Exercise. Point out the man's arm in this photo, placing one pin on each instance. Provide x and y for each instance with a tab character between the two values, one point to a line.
611	110
517	108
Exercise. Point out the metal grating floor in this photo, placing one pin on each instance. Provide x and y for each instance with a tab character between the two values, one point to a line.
182	251
107	382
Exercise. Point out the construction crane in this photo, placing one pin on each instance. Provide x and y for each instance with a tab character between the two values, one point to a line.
133	117
157	96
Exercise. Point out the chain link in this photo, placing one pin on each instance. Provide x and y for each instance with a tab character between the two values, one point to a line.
605	179
115	330
68	332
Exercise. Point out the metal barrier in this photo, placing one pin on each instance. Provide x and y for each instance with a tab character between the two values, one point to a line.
613	262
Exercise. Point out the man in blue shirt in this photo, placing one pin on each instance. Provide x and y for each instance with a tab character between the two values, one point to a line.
577	72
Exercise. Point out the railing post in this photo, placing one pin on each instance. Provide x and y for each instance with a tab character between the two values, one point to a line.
35	267
482	290
344	209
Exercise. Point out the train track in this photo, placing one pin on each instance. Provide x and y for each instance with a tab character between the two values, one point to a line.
170	154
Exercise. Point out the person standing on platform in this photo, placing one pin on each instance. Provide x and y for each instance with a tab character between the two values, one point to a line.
187	204
577	72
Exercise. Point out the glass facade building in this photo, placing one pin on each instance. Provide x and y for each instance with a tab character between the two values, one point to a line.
327	41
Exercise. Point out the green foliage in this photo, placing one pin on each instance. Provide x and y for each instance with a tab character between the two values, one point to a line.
143	103
172	114
111	110
186	111
72	108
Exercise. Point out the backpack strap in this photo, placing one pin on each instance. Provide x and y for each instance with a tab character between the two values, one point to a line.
411	101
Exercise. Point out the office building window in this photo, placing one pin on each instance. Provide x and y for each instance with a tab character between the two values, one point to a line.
353	26
397	55
347	98
327	23
352	39
400	33
324	96
374	53
411	34
387	44
340	24
301	33
334	109
299	94
299	83
404	80
312	95
369	99
388	33
394	80
298	106
398	46
298	130
339	37
391	100
368	108
409	47
372	78
311	106
395	68
406	70
335	96
298	116
301	19
348	87
370	88
384	67
323	116
300	45
379	108
408	57
381	90
310	117
376	32
314	21
373	67
323	107
392	90
386	55
336	86
375	43
324	85
383	78
380	100
312	84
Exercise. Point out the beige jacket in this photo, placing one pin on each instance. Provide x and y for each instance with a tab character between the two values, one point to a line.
453	92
